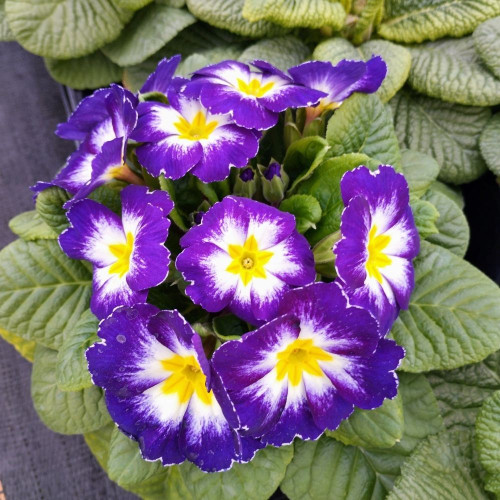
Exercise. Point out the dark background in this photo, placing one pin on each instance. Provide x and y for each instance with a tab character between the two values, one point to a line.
36	463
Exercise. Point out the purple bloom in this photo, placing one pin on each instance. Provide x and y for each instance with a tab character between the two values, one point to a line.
128	254
379	241
244	256
185	137
304	371
254	97
161	78
273	170
106	115
161	391
339	81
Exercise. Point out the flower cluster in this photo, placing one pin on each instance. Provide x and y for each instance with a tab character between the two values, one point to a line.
313	350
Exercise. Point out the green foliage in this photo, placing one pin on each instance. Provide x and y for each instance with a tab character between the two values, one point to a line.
420	171
452	192
42	292
453	318
86	72
296	13
26	348
489	143
487	42
132	4
488	441
448	132
425	215
5	33
306	209
74	412
418	20
49	205
30	226
364	125
150	29
65	29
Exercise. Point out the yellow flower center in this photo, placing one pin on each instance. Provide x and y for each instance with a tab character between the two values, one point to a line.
376	257
254	87
248	261
197	129
299	357
122	252
186	379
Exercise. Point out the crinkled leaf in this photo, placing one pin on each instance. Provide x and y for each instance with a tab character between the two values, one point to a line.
420	171
305	208
461	392
49	205
370	13
418	20
397	58
488	441
86	72
195	62
453	228
26	348
487	42
453	318
64	29
283	52
296	13
98	442
448	132
227	14
364	125
489	143
73	412
132	4
379	428
425	215
452	72
42	292
454	193
438	468
30	226
72	371
324	185
255	480
5	32
150	29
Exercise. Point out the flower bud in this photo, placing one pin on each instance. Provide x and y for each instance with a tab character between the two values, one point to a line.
246	183
274	182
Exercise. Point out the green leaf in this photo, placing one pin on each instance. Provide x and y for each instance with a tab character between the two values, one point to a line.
42	292
283	52
488	441
24	347
296	13
255	480
461	392
132	4
64	412
72	371
420	171
437	468
227	14
425	215
489	143
5	32
453	228
447	132
150	29
30	226
49	205
364	125
86	72
487	42
397	58
452	72
379	428
306	209
64	29
453	318
212	56
368	15
324	185
454	193
418	20
98	443
229	326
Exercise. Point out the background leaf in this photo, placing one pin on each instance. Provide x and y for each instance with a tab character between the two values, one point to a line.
25	348
454	193
420	171
42	292
448	132
5	32
489	143
64	412
132	4
30	226
305	208
425	215
487	42
49	205
64	29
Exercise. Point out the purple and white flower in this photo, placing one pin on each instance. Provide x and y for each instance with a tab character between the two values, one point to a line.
304	371
161	78
340	81
184	136
379	241
128	254
244	256
161	391
253	96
